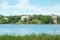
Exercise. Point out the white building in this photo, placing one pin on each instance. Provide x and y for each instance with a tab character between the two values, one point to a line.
54	18
25	17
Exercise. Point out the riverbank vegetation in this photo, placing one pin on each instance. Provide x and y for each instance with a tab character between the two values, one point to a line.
30	37
34	19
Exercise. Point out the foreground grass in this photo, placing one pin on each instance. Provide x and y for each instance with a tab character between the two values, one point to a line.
30	37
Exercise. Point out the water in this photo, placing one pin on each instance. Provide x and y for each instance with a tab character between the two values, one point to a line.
23	29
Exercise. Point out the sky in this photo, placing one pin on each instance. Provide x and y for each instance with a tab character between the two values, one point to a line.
29	7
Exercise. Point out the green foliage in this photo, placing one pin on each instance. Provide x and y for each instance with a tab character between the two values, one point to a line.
24	21
35	19
14	19
30	37
58	20
46	19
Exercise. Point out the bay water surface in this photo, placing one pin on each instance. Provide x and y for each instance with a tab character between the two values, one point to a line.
22	29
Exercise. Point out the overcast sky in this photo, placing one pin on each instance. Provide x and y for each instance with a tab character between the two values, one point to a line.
21	7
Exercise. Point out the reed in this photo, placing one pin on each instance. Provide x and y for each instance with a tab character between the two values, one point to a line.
30	37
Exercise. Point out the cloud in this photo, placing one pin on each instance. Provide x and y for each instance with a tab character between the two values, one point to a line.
6	9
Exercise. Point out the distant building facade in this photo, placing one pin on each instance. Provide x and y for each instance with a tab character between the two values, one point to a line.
54	18
25	17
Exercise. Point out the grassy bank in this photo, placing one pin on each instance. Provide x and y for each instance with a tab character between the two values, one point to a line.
30	37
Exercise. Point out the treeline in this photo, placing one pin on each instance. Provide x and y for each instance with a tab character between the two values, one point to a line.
35	19
9	19
30	37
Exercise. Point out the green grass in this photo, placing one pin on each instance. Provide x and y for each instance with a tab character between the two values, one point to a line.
30	37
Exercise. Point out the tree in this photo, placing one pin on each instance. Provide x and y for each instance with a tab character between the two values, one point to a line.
58	20
46	19
14	19
36	22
